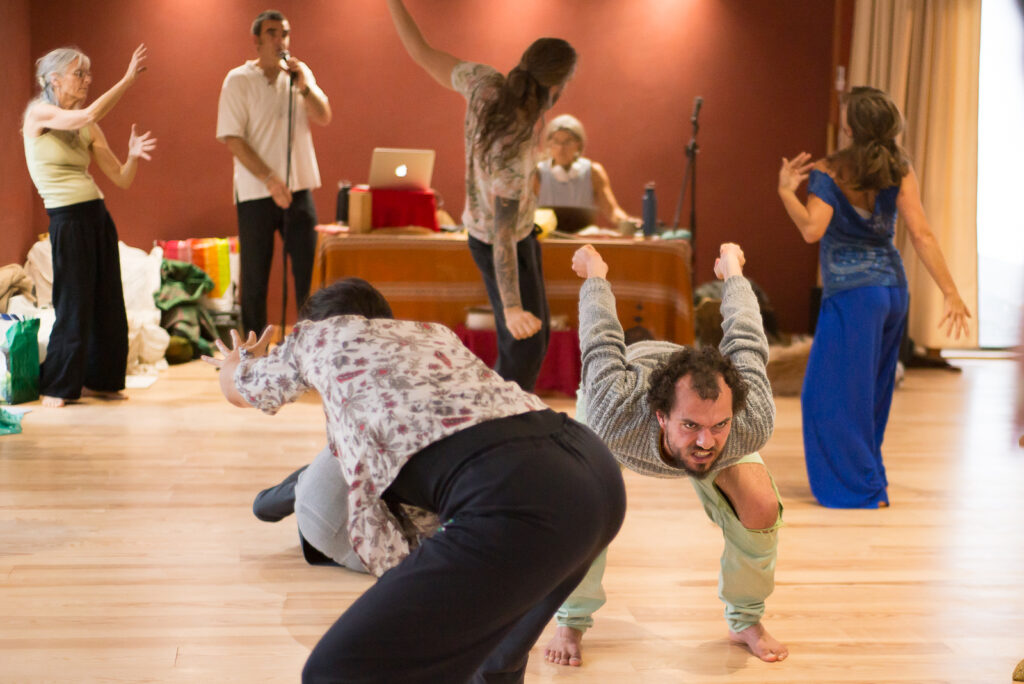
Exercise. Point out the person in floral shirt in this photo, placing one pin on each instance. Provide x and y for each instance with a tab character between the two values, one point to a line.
423	431
502	114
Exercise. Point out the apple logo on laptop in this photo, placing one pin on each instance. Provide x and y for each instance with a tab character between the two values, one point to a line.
401	170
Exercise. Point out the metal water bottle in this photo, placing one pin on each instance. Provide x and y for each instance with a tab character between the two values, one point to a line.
650	211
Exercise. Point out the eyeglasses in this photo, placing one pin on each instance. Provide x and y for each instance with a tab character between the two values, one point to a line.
563	142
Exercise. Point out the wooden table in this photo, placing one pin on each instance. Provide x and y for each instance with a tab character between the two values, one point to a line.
433	277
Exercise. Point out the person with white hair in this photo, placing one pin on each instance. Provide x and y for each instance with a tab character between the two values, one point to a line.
568	179
88	348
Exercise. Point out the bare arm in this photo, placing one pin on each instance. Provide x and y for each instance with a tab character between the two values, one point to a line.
908	203
604	196
435	62
139	146
42	115
811	220
259	168
521	323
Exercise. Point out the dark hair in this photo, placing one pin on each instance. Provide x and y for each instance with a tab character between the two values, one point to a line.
874	161
704	366
508	119
351	296
271	15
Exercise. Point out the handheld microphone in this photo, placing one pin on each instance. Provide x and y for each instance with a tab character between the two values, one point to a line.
284	56
697	102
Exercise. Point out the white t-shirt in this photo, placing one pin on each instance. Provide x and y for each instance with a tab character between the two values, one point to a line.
257	111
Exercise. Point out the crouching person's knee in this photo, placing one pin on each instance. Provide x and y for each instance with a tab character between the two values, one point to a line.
763	514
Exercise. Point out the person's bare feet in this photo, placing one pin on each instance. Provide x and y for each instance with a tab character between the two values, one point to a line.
51	402
108	396
760	642
564	647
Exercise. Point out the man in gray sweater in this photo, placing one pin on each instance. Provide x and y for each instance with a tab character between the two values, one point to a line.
667	410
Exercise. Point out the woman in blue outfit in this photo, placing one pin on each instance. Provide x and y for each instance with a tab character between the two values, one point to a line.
854	196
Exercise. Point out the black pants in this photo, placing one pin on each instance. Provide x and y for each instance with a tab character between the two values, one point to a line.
470	602
89	342
518	360
258	220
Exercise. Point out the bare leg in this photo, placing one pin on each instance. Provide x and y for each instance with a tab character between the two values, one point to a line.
51	402
760	642
564	647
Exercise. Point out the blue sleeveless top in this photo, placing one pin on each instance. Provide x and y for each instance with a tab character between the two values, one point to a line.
857	251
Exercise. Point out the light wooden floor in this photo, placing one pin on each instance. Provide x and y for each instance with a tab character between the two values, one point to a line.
128	552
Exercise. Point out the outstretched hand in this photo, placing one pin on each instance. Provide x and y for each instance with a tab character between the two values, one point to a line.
253	346
954	316
730	261
794	171
587	263
232	357
135	66
139	146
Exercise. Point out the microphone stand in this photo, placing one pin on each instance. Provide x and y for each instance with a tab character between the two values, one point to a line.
284	212
690	179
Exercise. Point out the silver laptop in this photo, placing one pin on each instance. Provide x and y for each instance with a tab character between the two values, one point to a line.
399	169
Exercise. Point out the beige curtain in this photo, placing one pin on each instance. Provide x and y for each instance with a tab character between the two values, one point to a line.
925	54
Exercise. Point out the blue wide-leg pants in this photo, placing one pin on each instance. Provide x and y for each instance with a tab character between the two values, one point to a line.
847	394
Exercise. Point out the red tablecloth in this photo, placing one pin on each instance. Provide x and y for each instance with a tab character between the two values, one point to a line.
560	373
402	208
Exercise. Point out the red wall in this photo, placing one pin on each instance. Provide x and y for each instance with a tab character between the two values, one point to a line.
17	196
763	69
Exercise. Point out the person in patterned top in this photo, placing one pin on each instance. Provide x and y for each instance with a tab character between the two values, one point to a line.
501	135
424	432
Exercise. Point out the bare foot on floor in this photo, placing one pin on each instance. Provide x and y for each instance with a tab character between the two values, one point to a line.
51	402
760	642
108	396
564	647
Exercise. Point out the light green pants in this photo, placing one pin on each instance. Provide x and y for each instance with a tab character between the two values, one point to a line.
746	578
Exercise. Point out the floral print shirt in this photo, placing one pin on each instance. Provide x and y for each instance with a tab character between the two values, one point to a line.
476	83
389	389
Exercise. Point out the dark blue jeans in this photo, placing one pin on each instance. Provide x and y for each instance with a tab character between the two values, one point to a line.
518	360
258	220
470	601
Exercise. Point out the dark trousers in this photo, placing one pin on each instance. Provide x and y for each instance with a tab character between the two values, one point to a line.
470	601
89	342
258	220
518	360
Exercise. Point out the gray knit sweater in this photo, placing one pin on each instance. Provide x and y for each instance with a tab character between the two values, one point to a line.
615	379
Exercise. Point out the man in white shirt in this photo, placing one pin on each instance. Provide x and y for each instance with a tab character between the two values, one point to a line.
272	194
